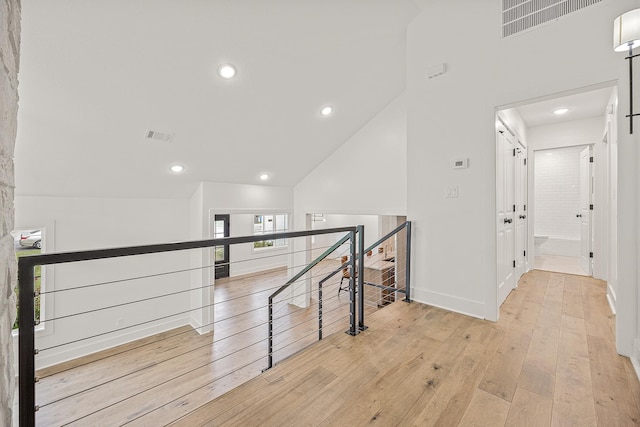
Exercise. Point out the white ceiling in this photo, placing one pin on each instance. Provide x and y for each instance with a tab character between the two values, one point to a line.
95	75
582	105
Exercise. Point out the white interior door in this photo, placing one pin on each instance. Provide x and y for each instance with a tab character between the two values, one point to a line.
505	202
520	216
584	215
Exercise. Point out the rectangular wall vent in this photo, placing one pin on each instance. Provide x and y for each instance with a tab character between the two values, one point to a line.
158	136
520	15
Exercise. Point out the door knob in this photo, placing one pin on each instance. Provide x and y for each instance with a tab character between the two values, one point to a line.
523	216
579	216
508	220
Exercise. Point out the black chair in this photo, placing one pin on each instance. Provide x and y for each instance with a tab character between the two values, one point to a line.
345	275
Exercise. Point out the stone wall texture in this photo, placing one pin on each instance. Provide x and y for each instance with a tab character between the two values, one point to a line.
9	62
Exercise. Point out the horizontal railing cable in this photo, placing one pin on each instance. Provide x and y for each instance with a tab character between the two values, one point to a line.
204	365
204	326
305	336
324	312
166	273
169	316
147	299
147	366
169	380
194	390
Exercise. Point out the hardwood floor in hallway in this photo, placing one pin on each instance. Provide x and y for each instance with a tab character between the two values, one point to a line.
549	361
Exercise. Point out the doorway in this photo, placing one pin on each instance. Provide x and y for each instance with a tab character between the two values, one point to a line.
221	228
563	180
583	120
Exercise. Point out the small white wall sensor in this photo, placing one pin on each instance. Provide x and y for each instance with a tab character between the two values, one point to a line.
460	163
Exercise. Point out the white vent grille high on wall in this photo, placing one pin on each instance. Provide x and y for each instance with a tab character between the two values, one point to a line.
520	15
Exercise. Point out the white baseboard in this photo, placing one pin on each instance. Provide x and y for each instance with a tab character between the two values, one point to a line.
241	273
54	358
636	365
199	328
611	297
635	357
449	302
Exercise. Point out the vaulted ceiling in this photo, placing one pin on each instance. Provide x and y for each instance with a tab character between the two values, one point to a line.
96	75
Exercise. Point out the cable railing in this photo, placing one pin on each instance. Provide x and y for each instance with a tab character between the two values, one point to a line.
144	335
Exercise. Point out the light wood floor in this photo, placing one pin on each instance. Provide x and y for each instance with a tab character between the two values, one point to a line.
161	378
549	361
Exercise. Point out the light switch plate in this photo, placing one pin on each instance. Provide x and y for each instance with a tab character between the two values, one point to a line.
451	191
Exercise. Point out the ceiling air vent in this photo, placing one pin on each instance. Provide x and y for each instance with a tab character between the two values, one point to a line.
158	136
520	15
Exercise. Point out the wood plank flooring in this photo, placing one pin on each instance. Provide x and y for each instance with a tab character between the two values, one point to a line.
549	361
161	378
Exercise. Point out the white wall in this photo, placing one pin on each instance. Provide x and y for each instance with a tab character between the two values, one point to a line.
244	258
610	227
511	117
323	241
453	115
213	198
364	176
567	134
73	224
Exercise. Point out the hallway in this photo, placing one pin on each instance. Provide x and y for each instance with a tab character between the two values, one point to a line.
550	360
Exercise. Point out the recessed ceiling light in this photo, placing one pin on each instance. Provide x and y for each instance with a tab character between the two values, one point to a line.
264	177
326	110
560	111
549	153
227	71
177	168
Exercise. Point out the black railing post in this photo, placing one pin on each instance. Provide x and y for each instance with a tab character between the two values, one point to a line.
352	285
320	310
26	344
407	289
360	275
270	333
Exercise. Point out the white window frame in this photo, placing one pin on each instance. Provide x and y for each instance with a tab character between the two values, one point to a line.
46	281
278	244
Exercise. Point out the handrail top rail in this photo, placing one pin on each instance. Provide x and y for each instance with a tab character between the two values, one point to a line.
391	233
310	265
95	254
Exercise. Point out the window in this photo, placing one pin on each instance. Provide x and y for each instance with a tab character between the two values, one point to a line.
29	242
269	224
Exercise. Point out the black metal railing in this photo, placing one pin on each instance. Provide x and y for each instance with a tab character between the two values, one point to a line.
356	261
320	272
26	321
352	324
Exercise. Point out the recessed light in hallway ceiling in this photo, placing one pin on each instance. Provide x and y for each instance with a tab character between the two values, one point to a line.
177	168
265	177
227	71
327	110
561	111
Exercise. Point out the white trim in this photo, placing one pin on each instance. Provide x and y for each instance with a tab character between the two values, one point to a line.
636	366
611	297
449	302
199	328
635	359
47	279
